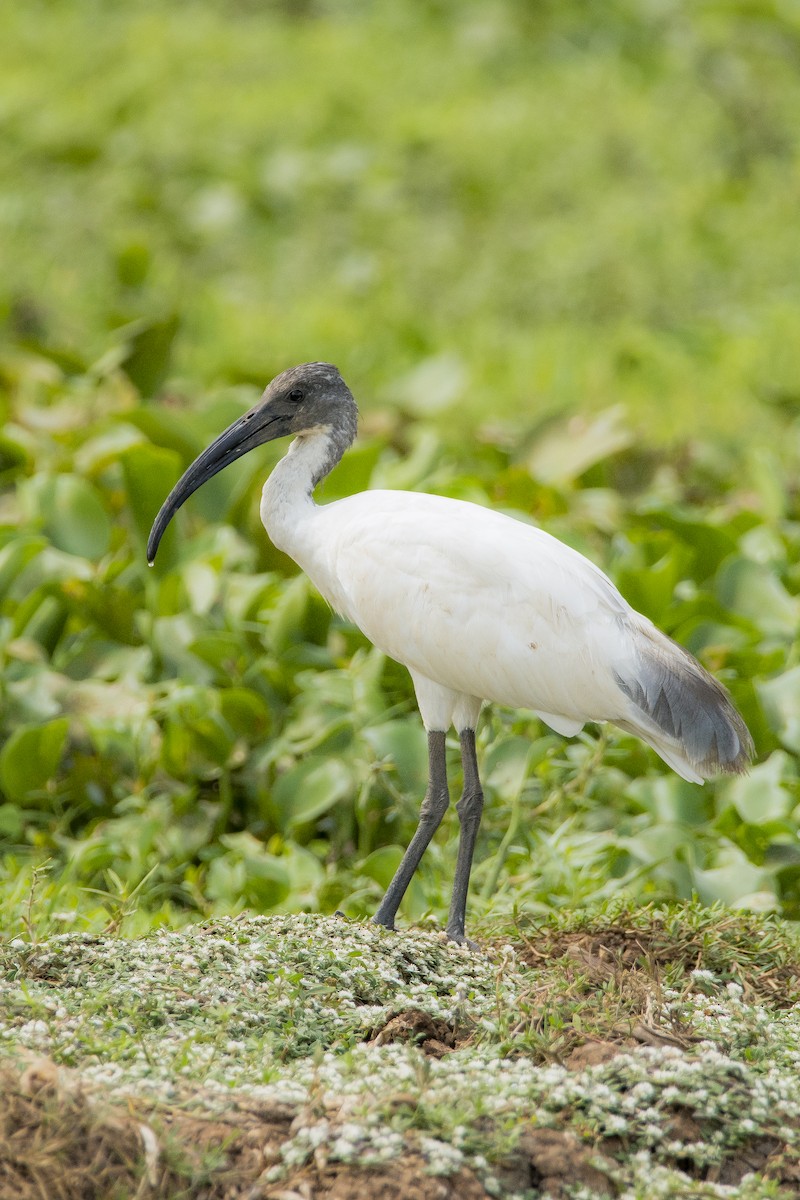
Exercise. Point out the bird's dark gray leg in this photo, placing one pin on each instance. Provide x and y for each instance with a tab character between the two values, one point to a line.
434	806
469	809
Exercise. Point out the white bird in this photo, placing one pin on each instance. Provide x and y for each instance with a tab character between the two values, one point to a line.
478	606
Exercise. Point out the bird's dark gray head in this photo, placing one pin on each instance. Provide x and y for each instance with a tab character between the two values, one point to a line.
311	396
303	400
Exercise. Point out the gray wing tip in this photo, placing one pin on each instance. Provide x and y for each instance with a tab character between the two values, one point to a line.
737	763
687	709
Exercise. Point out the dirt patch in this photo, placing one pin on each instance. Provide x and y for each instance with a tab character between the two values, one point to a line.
596	1053
762	1155
765	1156
606	993
59	1141
733	953
405	1178
556	1163
432	1035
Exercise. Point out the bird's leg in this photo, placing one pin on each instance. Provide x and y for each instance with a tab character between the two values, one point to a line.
434	806
469	809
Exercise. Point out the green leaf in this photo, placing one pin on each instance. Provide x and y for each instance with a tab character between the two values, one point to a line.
563	453
506	765
736	881
405	743
246	712
30	758
765	794
249	873
381	864
148	352
756	592
15	556
308	790
11	822
72	514
150	474
781	699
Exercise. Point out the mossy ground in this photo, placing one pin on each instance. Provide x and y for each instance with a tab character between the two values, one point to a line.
622	1053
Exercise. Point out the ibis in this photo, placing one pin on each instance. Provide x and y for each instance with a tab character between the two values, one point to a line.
479	607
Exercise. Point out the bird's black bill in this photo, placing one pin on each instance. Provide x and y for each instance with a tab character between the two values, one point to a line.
254	428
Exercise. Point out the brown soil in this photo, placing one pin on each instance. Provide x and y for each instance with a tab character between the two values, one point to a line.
555	1162
432	1035
60	1141
603	952
402	1179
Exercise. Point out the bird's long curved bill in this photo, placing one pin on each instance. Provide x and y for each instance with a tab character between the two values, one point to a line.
254	428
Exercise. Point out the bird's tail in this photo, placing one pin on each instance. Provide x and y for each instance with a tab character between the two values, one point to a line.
680	710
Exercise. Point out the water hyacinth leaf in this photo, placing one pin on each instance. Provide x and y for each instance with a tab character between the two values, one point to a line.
247	873
706	546
202	586
11	822
150	473
506	765
72	514
105	449
15	556
246	712
751	589
672	800
766	793
735	881
169	430
564	452
781	699
113	608
221	650
148	352
308	790
432	385
306	877
285	626
651	591
405	744
381	864
30	758
13	458
132	262
45	624
354	473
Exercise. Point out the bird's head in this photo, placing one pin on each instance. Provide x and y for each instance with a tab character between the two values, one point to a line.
303	400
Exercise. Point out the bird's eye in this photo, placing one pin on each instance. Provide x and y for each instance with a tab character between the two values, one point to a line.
297	394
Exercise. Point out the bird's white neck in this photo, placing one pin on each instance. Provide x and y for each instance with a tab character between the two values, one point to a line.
287	501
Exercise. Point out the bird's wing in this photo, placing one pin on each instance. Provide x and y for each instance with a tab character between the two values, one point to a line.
479	602
490	607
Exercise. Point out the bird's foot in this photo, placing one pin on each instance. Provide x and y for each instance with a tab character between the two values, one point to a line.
384	924
460	938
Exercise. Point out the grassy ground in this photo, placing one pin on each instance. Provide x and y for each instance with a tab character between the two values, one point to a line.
553	249
630	1053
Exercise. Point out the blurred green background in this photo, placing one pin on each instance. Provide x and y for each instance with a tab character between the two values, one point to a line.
553	248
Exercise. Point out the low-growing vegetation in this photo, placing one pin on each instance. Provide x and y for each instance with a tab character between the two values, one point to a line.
552	248
648	1052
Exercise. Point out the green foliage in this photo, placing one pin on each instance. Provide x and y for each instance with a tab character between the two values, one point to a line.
509	206
211	729
538	210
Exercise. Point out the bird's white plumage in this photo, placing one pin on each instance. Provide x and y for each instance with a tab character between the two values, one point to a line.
478	605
